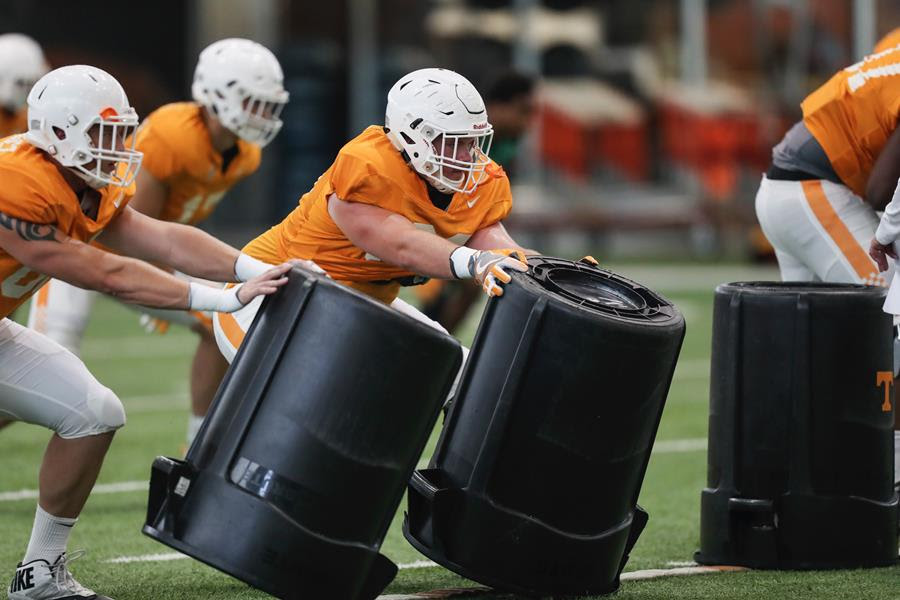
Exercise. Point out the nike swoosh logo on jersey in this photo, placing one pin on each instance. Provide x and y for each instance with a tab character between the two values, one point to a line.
471	203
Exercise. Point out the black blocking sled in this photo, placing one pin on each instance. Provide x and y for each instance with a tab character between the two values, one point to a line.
533	487
303	459
800	429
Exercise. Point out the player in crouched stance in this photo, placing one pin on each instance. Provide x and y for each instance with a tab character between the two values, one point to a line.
194	152
65	181
397	203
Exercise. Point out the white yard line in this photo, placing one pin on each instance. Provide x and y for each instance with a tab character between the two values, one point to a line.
419	564
100	488
680	563
679	446
630	576
167	556
660	447
680	568
162	557
680	571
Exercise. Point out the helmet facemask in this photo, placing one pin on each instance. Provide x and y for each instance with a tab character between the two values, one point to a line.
260	120
81	117
437	120
107	155
240	82
458	160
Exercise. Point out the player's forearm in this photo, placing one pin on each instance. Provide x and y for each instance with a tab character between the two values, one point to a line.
419	252
136	282
195	252
130	280
495	236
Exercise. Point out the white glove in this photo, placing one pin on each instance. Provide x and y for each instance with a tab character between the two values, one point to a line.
487	267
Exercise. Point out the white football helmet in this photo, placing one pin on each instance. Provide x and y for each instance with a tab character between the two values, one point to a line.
80	116
241	82
438	119
21	64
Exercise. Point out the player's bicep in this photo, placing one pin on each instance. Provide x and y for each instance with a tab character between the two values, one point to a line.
29	243
367	226
137	235
45	249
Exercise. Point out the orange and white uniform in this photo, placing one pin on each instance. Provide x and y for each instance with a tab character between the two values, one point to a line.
33	190
819	224
888	41
179	153
40	382
13	123
368	169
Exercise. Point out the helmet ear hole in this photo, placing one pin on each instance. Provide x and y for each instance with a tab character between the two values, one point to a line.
59	133
407	139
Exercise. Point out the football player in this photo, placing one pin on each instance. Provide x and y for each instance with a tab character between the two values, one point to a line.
21	64
888	41
416	198
510	101
831	172
66	181
193	153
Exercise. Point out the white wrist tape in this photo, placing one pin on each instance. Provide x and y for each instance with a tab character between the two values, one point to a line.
206	298
246	267
459	262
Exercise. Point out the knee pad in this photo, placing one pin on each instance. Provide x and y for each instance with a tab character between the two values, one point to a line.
103	412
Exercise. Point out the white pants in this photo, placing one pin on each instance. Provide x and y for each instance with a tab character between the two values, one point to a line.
43	383
821	231
230	329
61	311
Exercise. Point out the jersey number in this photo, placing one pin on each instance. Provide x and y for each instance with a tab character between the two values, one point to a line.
21	282
860	76
200	205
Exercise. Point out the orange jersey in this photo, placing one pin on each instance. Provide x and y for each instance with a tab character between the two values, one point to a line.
34	190
178	152
370	170
12	123
889	41
853	114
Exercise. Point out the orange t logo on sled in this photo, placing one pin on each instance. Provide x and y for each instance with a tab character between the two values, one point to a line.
887	378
